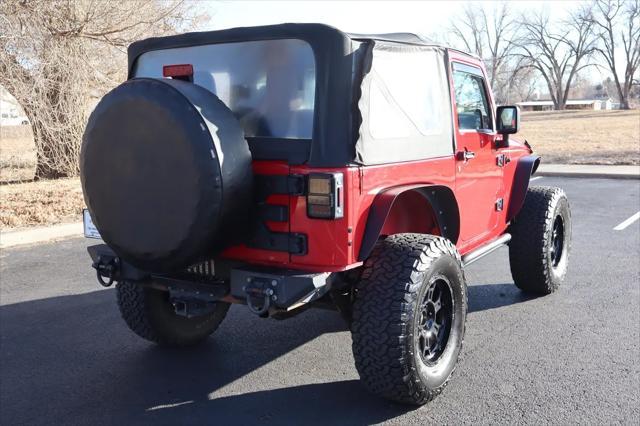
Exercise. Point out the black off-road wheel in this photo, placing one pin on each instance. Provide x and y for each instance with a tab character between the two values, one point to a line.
409	317
541	241
150	314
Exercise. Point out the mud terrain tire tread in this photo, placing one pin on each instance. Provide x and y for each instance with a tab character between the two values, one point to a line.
530	240
143	311
382	315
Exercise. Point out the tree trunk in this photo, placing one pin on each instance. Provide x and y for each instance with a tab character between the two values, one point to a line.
624	96
561	100
45	167
44	171
48	163
621	97
624	103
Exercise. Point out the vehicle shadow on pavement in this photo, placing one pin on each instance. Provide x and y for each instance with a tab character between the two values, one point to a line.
71	359
342	402
483	297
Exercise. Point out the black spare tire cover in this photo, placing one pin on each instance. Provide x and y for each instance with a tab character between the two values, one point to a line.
166	173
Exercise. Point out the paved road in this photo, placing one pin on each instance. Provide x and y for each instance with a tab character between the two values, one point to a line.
573	357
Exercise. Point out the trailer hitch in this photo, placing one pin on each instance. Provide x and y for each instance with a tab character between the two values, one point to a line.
106	267
259	294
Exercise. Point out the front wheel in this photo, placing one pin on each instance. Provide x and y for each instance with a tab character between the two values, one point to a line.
541	241
409	317
150	314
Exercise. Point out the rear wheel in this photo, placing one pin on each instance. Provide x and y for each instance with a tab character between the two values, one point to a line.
541	241
409	317
150	314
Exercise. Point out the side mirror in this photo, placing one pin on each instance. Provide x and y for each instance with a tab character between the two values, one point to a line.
508	121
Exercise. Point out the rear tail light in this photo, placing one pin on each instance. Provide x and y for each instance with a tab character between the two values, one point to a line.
179	72
325	199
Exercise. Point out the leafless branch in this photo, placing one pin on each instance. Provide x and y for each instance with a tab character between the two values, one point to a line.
558	50
58	56
609	16
490	32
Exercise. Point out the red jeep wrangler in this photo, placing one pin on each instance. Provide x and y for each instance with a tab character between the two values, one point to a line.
292	166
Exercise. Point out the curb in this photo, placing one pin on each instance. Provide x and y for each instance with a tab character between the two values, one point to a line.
68	230
587	175
589	171
39	235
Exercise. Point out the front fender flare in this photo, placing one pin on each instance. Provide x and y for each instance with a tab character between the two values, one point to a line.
526	167
441	199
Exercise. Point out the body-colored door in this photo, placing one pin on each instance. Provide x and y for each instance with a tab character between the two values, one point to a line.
478	175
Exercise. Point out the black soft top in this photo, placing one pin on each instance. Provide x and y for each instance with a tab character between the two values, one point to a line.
334	51
319	36
406	38
309	32
342	60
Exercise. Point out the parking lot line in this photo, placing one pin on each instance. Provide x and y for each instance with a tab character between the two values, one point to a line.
627	222
535	178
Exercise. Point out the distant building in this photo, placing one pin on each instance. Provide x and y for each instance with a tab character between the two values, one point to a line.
581	104
10	112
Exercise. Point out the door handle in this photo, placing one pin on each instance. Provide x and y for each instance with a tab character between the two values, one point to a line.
466	155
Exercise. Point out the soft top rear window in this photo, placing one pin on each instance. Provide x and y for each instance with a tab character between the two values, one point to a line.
269	85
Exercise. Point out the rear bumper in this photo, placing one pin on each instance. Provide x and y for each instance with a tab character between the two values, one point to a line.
263	289
281	289
102	256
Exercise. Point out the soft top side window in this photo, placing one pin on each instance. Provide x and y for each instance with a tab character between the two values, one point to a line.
473	108
404	105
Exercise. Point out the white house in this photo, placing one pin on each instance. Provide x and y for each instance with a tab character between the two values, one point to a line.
547	105
10	112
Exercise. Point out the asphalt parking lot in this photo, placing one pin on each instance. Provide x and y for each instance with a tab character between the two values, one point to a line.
572	357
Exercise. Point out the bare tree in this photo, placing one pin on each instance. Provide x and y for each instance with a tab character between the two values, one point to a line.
469	29
617	21
521	84
582	87
58	56
490	36
558	52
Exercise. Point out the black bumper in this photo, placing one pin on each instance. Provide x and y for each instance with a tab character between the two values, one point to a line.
262	289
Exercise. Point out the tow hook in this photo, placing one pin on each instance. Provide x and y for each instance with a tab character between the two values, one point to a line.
106	267
259	295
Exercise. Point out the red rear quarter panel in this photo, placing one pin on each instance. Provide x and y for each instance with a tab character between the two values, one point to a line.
333	245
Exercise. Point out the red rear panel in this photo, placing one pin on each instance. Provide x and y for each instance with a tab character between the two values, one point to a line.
254	255
333	245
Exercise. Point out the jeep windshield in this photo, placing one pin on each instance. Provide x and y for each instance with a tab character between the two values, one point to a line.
269	85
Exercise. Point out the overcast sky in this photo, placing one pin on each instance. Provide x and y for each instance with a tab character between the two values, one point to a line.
430	18
356	16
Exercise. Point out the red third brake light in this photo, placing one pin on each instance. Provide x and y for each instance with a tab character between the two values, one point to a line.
177	71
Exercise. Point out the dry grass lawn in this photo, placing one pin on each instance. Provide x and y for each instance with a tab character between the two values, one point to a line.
584	137
40	203
17	154
24	202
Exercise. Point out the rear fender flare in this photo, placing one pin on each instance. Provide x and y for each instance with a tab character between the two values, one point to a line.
441	199
526	167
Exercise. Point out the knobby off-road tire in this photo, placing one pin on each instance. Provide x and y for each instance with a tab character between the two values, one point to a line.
541	241
150	315
391	344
